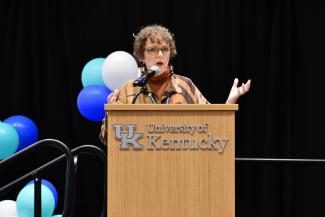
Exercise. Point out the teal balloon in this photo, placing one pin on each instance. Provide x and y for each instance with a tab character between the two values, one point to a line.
25	201
57	216
9	140
92	73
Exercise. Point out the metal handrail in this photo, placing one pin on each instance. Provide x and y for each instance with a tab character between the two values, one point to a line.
280	160
69	171
81	150
94	150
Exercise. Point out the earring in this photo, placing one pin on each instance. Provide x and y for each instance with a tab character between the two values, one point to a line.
171	68
142	67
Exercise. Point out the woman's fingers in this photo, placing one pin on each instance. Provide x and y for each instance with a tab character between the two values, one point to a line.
112	98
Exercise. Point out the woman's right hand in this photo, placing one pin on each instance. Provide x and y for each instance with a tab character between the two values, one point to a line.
112	97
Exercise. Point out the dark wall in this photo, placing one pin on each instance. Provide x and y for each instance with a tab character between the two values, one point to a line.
278	44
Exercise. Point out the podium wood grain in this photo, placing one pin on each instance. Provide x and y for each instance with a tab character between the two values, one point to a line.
172	183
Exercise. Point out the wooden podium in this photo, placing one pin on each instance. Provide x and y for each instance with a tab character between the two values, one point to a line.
171	160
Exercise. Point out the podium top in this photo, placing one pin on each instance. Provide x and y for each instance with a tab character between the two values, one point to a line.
173	107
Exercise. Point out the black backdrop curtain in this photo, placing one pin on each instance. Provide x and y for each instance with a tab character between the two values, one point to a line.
278	44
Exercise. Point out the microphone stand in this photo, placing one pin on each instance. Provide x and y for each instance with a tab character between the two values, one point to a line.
144	90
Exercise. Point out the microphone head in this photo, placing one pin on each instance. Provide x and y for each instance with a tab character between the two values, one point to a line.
154	69
141	81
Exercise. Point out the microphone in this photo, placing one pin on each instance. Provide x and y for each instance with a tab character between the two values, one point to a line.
141	81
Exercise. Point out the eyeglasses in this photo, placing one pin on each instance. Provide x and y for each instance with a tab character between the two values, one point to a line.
153	51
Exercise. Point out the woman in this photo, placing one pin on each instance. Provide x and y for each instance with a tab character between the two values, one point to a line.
154	45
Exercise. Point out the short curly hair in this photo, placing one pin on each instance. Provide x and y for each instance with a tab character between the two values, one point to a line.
156	33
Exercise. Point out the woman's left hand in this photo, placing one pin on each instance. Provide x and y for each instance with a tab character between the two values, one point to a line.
236	91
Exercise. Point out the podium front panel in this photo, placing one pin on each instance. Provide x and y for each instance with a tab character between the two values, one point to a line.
171	163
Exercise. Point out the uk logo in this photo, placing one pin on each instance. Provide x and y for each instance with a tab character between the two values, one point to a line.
128	138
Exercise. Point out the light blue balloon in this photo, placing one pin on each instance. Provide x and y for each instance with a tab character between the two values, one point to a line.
51	187
57	215
92	73
9	140
25	201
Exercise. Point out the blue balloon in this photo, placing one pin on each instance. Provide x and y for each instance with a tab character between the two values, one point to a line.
9	140
51	187
92	73
91	101
26	129
25	201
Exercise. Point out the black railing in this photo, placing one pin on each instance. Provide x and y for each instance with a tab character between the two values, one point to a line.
91	150
71	171
33	174
280	160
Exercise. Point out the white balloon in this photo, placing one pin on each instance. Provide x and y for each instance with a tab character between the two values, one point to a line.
8	208
118	68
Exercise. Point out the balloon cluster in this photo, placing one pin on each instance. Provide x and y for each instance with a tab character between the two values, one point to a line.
24	204
99	77
16	133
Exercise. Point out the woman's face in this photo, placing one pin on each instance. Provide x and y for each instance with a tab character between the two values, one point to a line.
156	54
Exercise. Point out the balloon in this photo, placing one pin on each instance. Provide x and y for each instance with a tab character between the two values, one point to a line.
92	73
26	129
118	68
57	215
25	201
91	101
9	140
51	187
8	208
